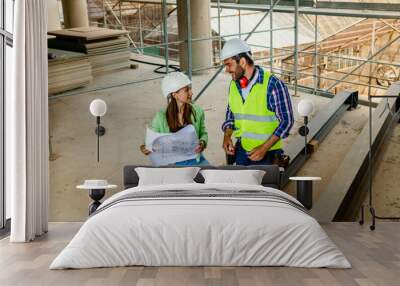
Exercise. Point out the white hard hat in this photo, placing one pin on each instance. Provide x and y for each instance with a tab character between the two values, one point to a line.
234	47
173	82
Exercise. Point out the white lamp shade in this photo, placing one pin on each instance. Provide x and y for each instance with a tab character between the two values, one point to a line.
98	107
305	107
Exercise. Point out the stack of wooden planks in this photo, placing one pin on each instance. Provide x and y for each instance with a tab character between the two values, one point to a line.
68	70
107	49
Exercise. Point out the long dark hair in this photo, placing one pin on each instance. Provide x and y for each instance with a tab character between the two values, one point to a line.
172	114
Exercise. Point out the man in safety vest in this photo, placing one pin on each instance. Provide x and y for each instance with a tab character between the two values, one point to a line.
259	112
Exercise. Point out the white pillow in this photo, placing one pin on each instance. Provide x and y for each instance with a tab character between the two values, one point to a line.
166	176
248	177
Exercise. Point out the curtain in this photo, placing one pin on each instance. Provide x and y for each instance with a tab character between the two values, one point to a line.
27	142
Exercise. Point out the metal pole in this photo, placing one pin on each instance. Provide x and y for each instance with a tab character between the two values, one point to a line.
370	146
219	30
208	83
71	93
104	15
333	56
240	24
370	117
222	67
296	44
330	78
357	9
202	38
120	10
262	19
165	33
140	28
98	137
271	35
98	145
229	35
189	39
316	62
305	137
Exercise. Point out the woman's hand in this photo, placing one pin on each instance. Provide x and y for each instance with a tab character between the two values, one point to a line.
200	148
144	150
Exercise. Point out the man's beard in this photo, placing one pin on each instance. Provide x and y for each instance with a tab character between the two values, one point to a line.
238	73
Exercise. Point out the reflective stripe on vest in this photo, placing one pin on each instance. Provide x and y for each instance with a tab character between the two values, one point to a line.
258	118
255	136
254	122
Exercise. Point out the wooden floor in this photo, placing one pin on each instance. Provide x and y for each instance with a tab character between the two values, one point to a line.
375	257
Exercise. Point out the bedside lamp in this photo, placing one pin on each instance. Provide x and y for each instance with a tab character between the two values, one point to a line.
98	108
305	108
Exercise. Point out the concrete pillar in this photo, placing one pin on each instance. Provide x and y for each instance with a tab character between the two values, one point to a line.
201	28
53	16
75	13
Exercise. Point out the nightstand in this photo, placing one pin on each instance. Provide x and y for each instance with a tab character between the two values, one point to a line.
305	190
97	190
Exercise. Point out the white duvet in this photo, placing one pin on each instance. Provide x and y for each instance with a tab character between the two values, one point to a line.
200	231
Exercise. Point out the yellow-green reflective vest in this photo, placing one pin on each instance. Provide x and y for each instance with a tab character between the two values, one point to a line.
254	122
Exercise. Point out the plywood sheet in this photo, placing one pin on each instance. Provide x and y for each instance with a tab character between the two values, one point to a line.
88	33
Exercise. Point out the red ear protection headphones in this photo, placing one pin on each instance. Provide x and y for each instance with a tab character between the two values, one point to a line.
243	82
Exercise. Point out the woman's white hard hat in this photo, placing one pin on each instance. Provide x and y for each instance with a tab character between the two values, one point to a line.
173	82
234	47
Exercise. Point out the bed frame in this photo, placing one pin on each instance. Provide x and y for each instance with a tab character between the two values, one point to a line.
272	177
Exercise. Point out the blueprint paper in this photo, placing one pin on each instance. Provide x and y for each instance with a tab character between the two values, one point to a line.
169	148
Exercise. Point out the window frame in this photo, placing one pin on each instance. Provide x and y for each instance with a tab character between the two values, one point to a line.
6	39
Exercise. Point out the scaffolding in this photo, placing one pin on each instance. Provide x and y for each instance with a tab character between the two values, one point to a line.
113	16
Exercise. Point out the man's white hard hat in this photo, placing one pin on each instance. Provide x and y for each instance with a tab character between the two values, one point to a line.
173	82
234	47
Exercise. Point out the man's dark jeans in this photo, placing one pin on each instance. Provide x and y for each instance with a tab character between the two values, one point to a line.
243	159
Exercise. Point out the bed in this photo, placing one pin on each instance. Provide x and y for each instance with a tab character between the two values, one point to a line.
198	224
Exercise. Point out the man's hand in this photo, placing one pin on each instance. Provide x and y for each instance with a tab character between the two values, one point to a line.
258	153
228	144
144	150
